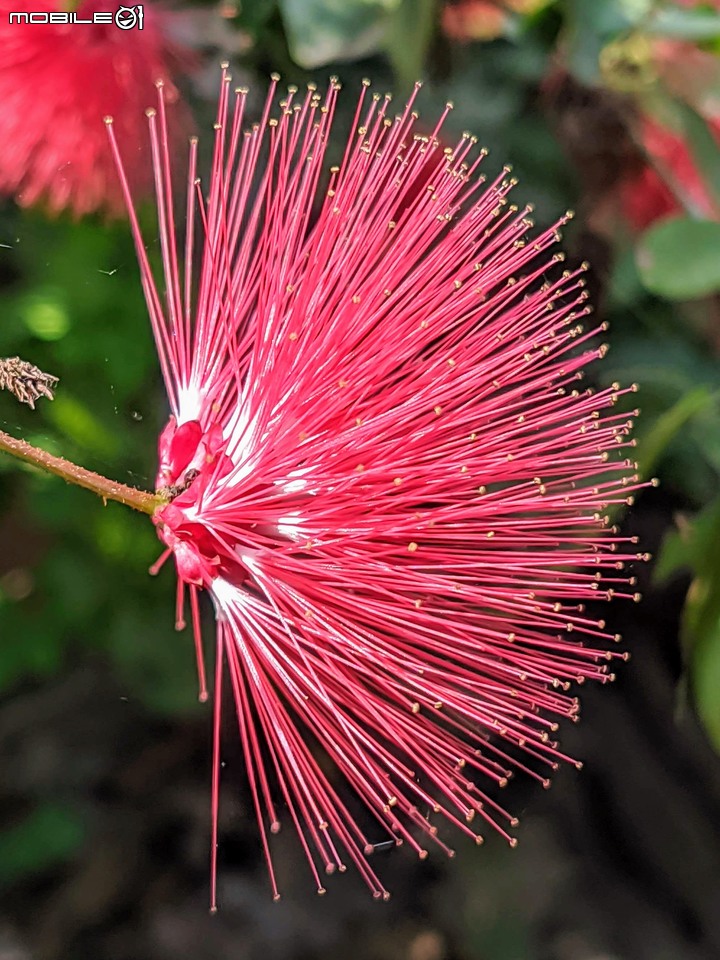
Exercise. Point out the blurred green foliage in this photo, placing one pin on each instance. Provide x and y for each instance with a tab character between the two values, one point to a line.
73	578
48	835
678	258
73	302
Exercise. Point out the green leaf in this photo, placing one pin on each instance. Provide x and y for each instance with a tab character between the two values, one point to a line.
76	420
45	315
409	35
696	547
680	258
666	427
703	146
702	607
705	677
322	31
49	835
676	555
589	26
253	16
156	663
692	546
29	649
684	23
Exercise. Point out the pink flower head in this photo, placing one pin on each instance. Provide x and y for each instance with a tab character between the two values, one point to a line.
383	467
57	80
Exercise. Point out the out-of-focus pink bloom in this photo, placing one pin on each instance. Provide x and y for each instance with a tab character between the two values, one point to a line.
385	470
650	192
646	194
473	20
57	81
467	20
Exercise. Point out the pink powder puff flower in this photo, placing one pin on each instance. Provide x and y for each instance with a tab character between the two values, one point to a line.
56	80
383	467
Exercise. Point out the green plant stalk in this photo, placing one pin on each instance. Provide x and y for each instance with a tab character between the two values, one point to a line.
107	489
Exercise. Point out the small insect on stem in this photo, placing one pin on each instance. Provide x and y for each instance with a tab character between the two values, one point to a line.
26	381
171	491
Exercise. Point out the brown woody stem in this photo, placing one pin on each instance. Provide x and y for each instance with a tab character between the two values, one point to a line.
107	489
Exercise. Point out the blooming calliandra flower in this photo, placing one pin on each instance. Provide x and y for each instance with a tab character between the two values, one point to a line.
383	467
55	80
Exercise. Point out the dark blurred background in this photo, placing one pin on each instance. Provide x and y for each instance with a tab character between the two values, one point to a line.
609	108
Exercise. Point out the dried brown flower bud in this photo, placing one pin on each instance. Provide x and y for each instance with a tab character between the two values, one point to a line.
25	381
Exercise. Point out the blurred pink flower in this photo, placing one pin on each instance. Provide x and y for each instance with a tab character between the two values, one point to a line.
383	467
467	20
646	194
57	82
650	190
